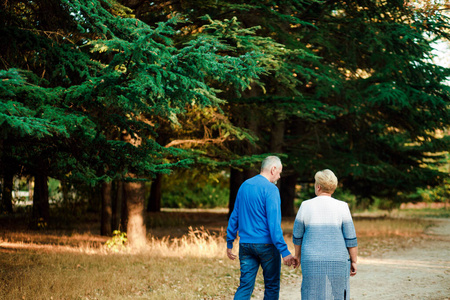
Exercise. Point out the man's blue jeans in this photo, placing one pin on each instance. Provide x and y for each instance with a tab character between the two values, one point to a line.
251	256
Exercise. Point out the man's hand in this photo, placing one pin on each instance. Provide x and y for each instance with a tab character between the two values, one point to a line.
230	254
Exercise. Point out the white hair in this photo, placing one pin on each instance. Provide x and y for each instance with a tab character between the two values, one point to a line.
269	162
327	180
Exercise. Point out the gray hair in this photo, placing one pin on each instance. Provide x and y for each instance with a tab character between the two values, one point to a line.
269	162
327	180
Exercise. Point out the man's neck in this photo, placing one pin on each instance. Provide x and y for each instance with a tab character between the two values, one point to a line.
266	175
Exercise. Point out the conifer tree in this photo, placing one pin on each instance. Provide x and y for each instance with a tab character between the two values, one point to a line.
362	97
389	96
84	82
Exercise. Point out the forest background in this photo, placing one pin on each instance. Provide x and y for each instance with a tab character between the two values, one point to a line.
121	107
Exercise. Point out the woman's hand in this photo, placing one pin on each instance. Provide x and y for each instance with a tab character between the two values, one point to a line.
353	269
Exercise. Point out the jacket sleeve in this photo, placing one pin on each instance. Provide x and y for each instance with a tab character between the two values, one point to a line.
273	211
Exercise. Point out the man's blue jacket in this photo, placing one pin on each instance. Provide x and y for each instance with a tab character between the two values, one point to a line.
257	215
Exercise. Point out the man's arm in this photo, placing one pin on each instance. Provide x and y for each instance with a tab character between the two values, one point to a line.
231	233
273	214
232	229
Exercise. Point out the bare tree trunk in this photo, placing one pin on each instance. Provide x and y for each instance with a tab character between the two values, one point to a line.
277	135
287	193
287	182
236	179
154	201
95	200
41	207
250	121
65	189
30	188
117	192
7	192
134	199
123	207
136	231
105	228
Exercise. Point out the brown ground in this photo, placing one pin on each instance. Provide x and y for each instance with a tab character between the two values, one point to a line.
418	272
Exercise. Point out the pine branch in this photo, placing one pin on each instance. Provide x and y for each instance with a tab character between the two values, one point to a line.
196	141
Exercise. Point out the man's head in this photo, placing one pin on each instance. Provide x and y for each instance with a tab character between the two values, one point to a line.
271	168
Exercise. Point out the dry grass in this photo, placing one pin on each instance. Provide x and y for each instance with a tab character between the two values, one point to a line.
379	235
190	265
53	275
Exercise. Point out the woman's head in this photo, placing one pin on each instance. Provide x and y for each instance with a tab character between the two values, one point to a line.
326	180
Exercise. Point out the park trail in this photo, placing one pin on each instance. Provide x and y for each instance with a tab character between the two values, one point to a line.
420	272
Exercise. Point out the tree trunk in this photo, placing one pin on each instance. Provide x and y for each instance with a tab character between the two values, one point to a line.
136	231
236	179
117	192
249	119
277	135
7	193
105	228
134	199
287	182
123	208
95	200
287	194
65	190
30	188
154	201
41	207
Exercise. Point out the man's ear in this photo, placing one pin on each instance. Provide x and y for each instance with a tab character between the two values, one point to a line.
272	170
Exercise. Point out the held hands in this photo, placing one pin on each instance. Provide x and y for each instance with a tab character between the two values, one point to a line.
288	260
291	261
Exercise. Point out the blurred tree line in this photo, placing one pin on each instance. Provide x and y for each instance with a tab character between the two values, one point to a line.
104	95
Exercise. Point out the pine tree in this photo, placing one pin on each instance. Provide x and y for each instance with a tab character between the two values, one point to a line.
360	95
84	83
389	96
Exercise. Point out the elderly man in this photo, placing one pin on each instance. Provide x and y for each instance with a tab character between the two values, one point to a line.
257	217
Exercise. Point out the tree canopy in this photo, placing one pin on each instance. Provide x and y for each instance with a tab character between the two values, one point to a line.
97	90
356	91
81	75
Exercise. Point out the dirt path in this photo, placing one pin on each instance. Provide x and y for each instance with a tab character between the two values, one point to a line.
422	272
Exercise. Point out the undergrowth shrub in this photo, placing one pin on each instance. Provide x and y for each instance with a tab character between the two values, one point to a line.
191	189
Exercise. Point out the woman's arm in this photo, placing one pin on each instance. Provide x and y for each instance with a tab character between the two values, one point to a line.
297	256
297	236
353	251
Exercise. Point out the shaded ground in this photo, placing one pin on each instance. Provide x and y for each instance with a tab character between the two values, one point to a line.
421	272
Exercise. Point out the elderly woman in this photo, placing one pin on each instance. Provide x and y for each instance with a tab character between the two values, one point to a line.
325	242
